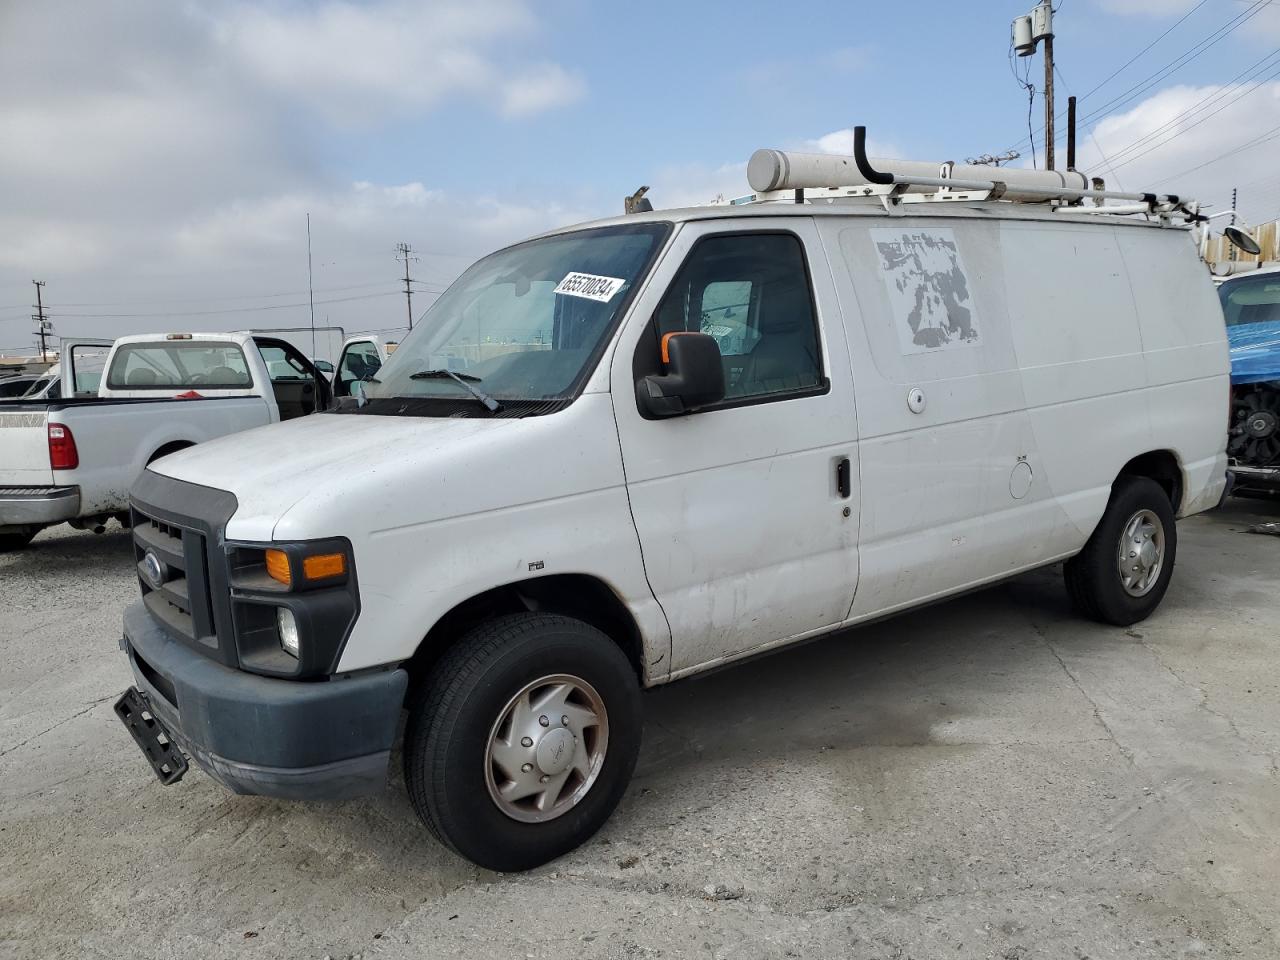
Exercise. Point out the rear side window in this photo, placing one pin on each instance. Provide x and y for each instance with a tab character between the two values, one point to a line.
1251	300
179	364
751	293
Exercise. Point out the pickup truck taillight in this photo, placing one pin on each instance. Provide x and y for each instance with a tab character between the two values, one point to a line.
62	448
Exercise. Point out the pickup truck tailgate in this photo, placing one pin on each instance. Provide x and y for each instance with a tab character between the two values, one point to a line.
24	448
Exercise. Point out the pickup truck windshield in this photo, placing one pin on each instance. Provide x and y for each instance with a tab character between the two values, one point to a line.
526	324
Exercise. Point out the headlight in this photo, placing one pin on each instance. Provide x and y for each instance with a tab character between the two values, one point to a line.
288	631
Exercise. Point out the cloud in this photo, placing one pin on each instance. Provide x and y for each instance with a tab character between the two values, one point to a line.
841	142
541	87
1184	140
170	152
356	62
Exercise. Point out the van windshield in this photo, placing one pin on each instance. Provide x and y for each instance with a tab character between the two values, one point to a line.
525	325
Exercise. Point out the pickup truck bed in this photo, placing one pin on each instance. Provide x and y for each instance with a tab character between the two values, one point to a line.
114	441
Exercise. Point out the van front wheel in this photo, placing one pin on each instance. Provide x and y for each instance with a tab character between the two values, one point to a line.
523	739
1123	571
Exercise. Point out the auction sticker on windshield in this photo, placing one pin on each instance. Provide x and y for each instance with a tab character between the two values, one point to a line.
590	286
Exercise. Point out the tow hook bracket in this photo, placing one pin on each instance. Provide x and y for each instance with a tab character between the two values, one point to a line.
151	736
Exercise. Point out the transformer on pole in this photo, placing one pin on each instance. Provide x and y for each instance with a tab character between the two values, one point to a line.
1028	31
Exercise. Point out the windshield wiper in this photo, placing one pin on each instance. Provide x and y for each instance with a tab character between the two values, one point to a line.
464	380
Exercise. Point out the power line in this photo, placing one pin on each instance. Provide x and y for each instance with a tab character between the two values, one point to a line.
1173	66
1115	73
206	313
1238	89
244	296
1209	41
1262	138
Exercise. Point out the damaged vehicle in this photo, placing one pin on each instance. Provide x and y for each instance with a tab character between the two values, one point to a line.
1251	306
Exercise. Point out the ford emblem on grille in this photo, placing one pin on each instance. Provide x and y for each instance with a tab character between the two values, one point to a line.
154	570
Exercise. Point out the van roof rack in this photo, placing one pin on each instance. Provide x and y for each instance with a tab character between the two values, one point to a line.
781	176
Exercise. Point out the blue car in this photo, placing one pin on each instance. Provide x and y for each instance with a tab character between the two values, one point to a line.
1251	305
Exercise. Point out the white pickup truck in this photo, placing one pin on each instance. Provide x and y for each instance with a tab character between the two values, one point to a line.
73	458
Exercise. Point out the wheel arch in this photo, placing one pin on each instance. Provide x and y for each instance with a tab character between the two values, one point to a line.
173	446
1162	466
579	595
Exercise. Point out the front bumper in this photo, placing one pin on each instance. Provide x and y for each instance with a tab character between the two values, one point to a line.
38	506
323	740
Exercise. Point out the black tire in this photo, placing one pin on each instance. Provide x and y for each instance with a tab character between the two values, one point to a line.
15	541
455	709
1093	575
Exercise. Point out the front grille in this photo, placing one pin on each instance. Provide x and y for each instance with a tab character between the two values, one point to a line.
179	597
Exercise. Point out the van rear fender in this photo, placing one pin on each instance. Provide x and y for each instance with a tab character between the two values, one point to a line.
582	596
1162	466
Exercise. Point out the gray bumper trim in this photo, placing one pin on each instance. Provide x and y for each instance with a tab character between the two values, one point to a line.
38	506
325	740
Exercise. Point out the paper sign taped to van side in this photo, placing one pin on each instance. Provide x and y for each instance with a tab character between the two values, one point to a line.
928	289
590	286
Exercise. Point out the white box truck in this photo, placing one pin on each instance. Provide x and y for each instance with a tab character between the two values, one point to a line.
626	452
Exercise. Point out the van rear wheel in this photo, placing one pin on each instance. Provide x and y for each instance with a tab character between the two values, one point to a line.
523	739
1122	573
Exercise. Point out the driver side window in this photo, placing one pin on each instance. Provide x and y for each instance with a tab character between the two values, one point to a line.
751	293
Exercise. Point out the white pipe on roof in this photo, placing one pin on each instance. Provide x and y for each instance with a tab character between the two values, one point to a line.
784	170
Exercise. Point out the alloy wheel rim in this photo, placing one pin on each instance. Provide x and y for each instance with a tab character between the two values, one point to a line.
546	748
1140	557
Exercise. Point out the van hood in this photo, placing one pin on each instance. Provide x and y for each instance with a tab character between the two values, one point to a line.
270	469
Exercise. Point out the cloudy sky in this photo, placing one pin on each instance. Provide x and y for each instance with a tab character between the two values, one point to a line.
158	158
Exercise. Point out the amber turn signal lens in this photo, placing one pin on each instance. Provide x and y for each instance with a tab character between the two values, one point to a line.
323	566
278	567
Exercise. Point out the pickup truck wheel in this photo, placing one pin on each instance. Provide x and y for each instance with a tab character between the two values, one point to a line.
15	541
1123	571
523	739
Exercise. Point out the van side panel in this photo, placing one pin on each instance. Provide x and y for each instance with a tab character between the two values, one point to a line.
1080	349
1187	362
938	486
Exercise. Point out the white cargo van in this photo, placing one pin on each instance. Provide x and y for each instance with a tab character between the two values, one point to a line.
626	452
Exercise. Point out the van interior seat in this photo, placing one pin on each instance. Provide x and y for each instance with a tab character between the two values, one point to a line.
785	357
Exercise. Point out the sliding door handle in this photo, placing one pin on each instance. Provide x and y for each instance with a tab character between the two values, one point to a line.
844	478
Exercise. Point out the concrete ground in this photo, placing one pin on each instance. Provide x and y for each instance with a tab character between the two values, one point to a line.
986	778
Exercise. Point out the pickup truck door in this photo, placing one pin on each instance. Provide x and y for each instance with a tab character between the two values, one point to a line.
747	512
298	386
359	360
81	364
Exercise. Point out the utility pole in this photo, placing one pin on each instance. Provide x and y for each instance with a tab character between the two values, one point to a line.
1028	31
43	321
1048	102
404	250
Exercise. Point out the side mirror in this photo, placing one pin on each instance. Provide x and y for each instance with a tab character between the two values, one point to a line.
694	377
1242	241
